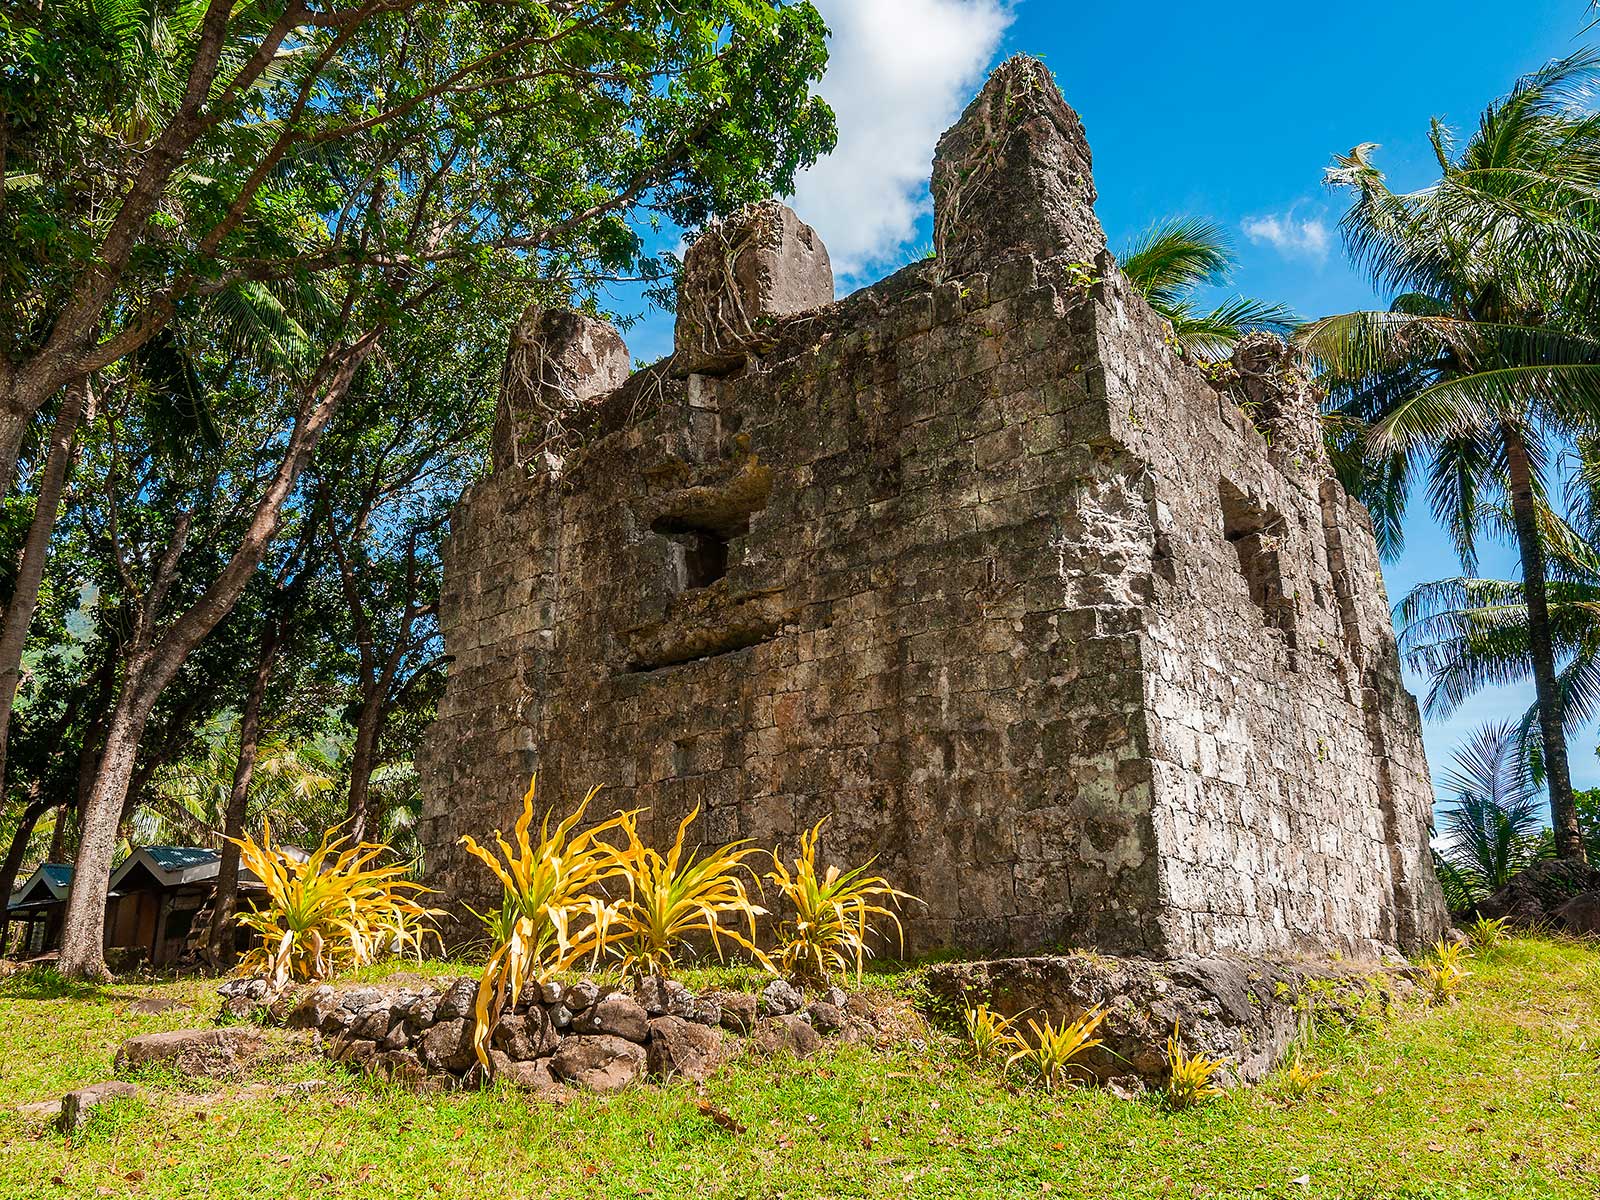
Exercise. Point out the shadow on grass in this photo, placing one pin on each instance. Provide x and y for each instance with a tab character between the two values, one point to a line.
46	983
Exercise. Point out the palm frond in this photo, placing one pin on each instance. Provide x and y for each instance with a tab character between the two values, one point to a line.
1171	259
1491	829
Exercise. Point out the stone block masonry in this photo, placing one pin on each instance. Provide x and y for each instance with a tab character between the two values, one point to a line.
1087	647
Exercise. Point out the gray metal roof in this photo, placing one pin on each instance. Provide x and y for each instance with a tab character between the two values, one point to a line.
171	866
181	858
48	884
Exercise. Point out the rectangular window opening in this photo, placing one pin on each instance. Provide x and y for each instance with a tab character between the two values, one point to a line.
700	554
1256	534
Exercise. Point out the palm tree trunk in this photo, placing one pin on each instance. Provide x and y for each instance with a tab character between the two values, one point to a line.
1563	811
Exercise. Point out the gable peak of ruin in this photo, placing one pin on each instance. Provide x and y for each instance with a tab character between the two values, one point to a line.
1014	176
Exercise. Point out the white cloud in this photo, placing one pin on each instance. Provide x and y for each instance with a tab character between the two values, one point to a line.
899	73
1290	236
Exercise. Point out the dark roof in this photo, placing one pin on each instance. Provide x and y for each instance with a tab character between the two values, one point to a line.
179	858
59	874
47	885
169	866
163	866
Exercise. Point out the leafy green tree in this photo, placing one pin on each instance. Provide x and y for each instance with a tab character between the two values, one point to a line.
289	618
1587	803
412	436
1491	352
58	457
409	154
159	152
1171	261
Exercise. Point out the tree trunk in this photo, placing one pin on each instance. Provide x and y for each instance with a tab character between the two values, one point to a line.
13	429
363	760
58	836
30	572
37	806
218	945
151	668
1563	811
21	397
83	933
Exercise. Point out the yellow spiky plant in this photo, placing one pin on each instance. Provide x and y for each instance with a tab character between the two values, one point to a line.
833	912
549	916
334	909
990	1035
675	896
1051	1049
1488	934
1300	1079
1191	1078
1444	970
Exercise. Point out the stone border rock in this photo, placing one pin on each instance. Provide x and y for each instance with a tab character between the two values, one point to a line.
586	1034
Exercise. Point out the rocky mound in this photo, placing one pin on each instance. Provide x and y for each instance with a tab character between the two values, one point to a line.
1538	896
1242	1010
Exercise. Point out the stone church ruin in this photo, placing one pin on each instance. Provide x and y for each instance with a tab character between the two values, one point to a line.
1083	641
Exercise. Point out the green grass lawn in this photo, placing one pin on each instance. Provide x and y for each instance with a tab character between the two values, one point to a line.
1493	1097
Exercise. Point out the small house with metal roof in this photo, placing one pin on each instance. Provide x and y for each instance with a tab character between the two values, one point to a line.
156	896
39	906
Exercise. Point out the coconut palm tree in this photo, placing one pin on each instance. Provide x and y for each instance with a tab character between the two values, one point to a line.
1490	356
1467	634
1492	828
293	787
1171	261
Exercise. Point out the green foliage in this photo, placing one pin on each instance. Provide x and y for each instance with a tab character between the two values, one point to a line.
1491	829
1469	634
484	128
187	798
1587	804
1492	331
1171	261
369	194
1484	365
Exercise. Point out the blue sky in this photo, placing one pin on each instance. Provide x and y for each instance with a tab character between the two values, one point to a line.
1227	113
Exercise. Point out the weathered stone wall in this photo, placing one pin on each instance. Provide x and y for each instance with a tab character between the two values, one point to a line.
974	564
